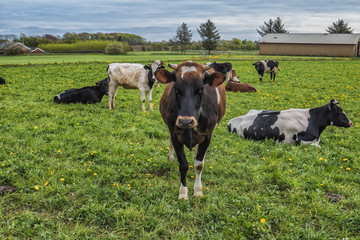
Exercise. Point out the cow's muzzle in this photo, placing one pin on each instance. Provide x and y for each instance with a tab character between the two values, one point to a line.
186	122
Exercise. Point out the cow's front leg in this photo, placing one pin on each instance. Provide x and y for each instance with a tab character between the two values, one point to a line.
142	96
199	166
183	167
149	96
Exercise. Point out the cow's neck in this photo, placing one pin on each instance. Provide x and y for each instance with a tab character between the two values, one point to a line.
318	118
150	78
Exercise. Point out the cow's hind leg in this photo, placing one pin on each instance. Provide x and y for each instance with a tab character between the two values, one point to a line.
113	87
199	166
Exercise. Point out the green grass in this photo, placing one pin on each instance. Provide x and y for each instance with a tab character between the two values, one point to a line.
105	175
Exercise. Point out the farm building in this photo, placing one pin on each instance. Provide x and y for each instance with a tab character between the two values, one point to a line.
38	50
310	44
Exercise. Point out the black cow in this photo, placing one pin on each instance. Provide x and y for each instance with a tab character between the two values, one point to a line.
290	126
93	94
224	68
192	105
2	80
266	66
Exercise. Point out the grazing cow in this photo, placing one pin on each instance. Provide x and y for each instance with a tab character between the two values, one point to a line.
290	126
266	66
93	94
192	105
224	68
2	80
132	76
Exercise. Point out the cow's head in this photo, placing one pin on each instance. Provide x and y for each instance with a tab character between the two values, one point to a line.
189	80
337	115
259	66
153	67
104	85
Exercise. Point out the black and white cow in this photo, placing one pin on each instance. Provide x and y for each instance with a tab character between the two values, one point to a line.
224	68
290	126
2	80
266	66
93	94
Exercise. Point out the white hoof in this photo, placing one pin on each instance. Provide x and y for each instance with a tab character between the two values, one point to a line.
183	192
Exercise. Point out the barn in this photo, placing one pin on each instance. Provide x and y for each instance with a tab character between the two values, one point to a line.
310	44
38	50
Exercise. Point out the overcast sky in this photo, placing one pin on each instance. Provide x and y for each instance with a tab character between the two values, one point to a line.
158	20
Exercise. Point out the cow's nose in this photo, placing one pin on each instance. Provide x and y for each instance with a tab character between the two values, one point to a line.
350	123
186	121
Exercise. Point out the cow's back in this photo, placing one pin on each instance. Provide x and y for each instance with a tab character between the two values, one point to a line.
128	75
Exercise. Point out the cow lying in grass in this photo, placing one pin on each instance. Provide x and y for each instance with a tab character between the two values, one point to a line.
132	76
93	94
290	126
234	85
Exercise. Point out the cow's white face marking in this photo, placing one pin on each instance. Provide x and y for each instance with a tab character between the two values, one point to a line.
186	69
217	95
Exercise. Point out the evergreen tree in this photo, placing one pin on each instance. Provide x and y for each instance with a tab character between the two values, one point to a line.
340	26
183	37
272	27
209	35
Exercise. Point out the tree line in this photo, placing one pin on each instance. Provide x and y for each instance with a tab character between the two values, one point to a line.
210	38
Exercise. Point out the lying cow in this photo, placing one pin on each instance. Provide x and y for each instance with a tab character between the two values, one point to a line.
2	80
93	94
224	68
237	86
132	76
234	85
266	66
290	126
192	105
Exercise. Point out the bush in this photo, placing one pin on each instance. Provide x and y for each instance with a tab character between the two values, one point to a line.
117	48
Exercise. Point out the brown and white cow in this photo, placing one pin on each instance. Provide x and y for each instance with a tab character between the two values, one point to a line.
192	105
132	76
234	85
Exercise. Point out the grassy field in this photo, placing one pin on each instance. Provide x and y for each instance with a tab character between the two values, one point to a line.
84	172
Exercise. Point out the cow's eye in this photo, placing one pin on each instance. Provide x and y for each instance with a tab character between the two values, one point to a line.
200	91
177	91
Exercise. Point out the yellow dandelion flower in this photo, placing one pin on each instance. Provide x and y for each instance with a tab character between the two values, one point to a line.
211	167
320	158
62	179
191	166
233	153
51	172
207	189
348	169
89	170
59	151
345	159
116	184
36	127
192	176
95	174
129	186
263	220
149	184
47	183
341	187
290	159
3	165
290	171
37	188
215	146
90	162
84	164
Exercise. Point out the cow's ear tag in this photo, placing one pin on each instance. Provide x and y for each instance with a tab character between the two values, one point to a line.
164	76
214	79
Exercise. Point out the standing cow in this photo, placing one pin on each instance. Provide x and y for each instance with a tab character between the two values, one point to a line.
290	126
132	76
224	68
266	66
192	105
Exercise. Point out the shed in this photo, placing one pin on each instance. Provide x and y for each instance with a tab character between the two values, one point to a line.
310	44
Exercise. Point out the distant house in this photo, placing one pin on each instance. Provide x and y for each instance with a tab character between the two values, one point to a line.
26	48
37	50
310	44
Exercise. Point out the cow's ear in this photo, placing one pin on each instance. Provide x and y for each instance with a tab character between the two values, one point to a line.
333	104
146	67
214	79
164	76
